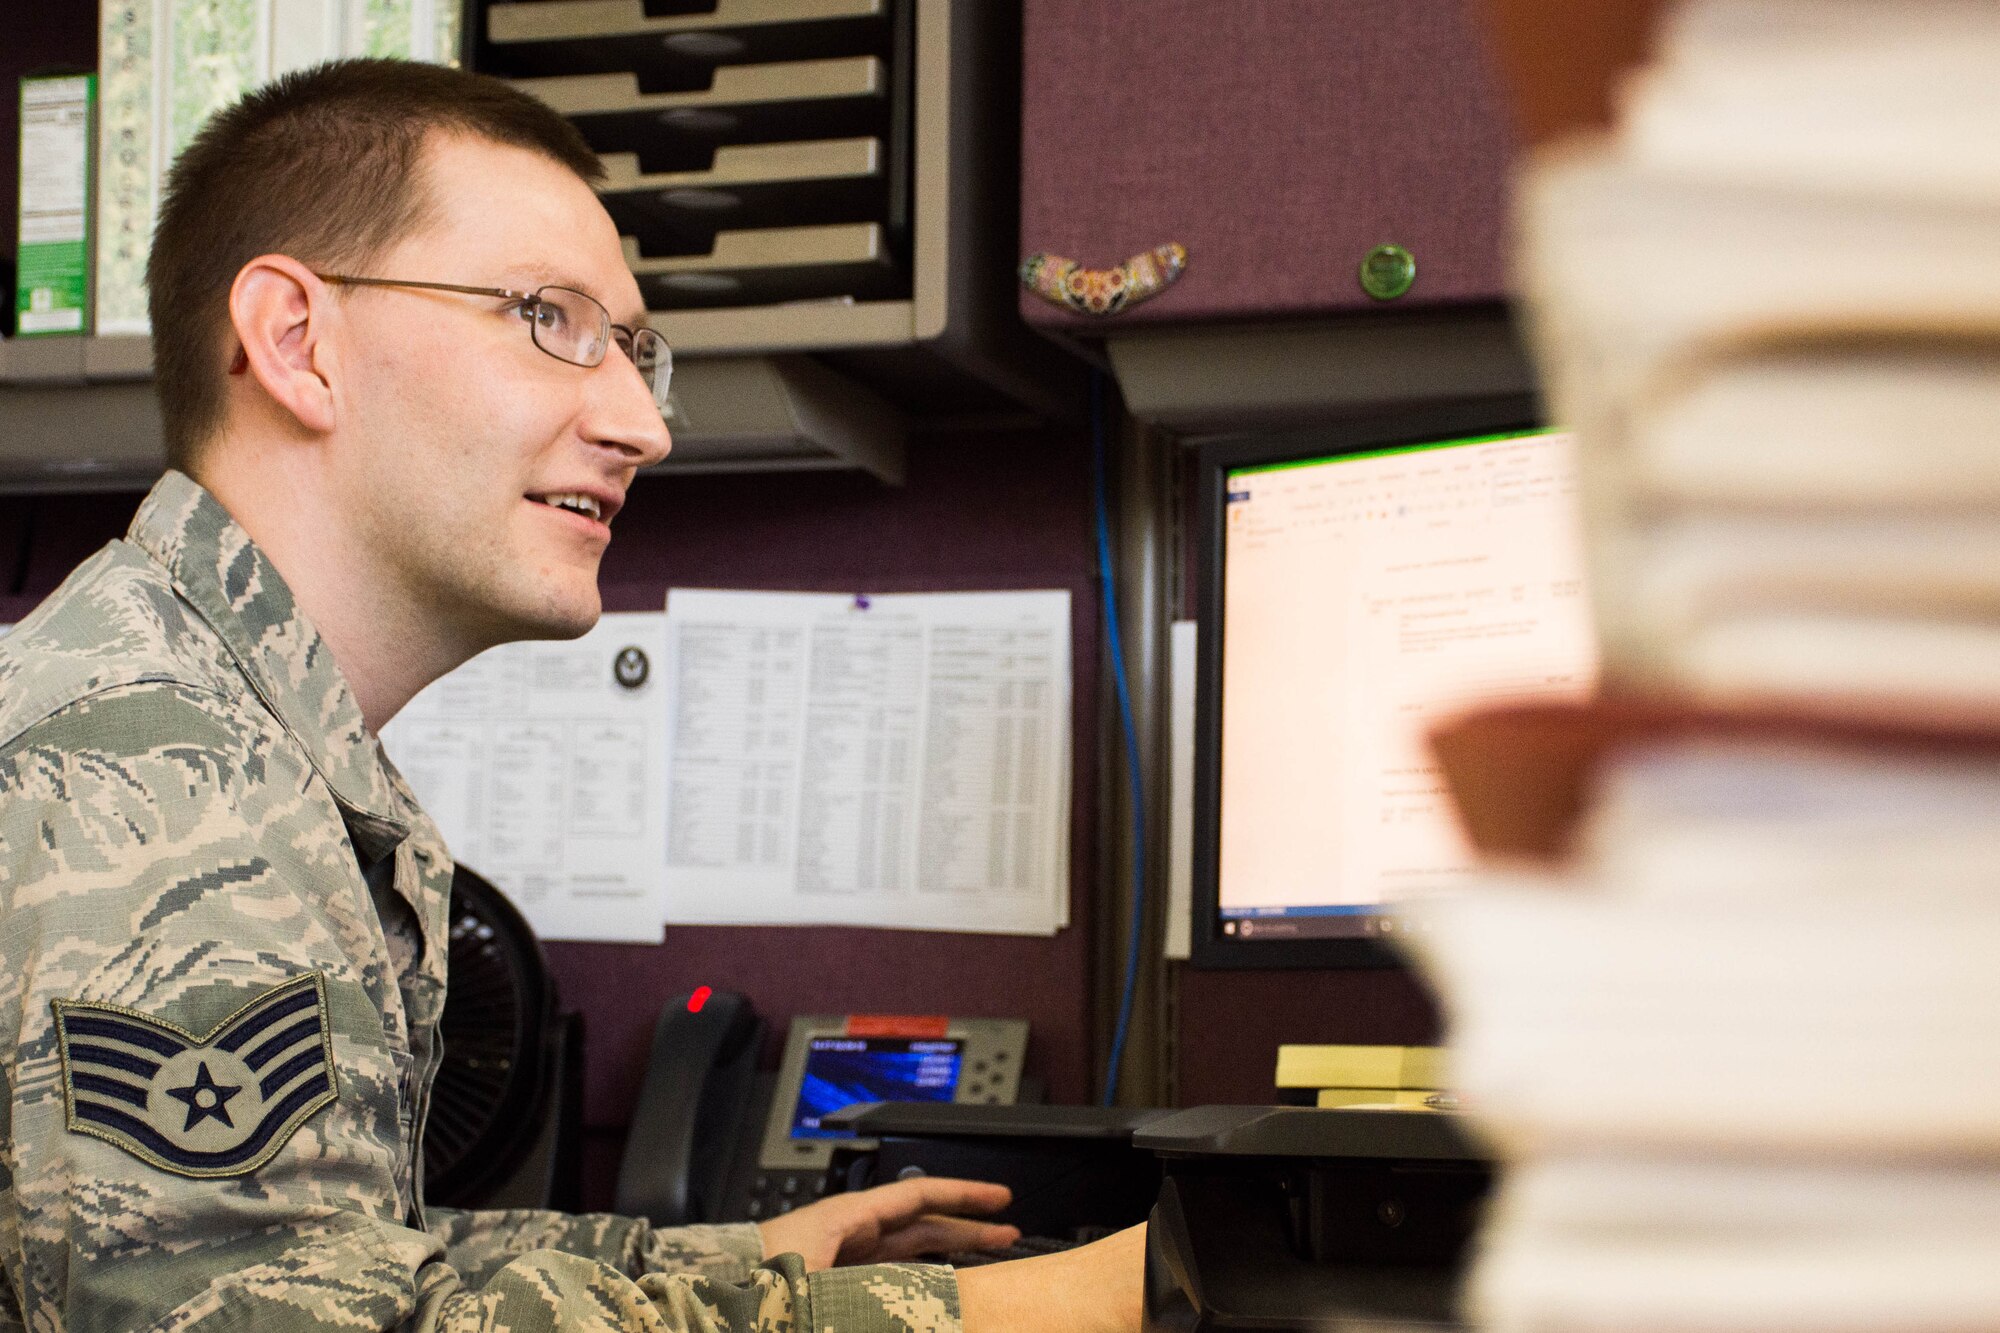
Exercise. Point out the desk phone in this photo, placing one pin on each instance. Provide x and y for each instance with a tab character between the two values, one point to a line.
714	1139
835	1060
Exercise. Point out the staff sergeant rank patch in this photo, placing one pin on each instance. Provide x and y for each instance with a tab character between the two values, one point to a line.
218	1105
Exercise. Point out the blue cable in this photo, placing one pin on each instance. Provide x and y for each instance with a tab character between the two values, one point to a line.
1104	578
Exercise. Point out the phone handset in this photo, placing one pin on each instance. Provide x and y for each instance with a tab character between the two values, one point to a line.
692	1109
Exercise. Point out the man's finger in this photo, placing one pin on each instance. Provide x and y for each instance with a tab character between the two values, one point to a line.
944	1235
907	1200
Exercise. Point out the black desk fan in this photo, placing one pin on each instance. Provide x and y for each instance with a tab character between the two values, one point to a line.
503	1127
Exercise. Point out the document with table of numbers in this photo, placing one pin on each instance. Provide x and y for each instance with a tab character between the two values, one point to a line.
895	760
544	765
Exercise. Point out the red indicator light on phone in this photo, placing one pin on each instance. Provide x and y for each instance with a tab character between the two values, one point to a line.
699	998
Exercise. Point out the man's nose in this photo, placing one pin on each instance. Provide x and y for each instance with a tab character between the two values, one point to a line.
624	414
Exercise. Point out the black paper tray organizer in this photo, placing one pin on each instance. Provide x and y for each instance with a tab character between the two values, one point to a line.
762	150
829	178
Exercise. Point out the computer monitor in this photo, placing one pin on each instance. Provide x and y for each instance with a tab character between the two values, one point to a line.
1359	584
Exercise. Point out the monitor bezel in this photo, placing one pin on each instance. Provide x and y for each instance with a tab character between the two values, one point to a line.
1210	948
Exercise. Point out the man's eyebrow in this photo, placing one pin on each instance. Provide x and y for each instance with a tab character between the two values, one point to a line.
546	275
543	275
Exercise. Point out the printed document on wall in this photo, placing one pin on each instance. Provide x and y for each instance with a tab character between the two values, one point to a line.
897	760
544	765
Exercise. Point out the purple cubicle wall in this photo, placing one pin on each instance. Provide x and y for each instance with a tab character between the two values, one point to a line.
1278	140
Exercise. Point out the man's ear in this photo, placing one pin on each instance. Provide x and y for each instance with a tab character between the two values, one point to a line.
280	313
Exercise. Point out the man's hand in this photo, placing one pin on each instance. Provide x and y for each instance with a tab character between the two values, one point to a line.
891	1222
1098	1288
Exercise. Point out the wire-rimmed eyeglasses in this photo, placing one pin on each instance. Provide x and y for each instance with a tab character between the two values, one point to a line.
565	323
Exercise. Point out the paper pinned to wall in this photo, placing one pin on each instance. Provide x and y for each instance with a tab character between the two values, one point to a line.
899	760
544	765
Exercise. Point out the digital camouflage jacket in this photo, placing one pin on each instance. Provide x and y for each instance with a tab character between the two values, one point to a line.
222	961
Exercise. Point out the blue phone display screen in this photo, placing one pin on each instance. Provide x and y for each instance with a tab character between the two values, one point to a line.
843	1070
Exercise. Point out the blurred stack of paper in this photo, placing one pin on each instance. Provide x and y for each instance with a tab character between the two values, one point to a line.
1771	307
1742	1059
1740	1055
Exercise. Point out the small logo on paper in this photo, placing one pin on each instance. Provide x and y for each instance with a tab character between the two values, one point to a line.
631	667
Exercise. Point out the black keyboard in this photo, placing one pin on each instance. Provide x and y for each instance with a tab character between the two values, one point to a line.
1025	1248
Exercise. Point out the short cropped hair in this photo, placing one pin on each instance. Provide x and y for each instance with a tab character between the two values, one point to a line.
324	165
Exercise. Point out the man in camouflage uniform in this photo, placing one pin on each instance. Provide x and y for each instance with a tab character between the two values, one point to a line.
222	913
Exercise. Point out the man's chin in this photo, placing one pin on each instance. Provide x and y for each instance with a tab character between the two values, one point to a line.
571	626
568	617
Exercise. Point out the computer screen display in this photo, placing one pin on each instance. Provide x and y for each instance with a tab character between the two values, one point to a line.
1360	596
841	1071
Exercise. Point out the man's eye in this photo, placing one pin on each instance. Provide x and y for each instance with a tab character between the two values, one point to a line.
542	314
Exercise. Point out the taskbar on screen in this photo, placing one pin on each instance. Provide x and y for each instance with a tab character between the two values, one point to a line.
1309	923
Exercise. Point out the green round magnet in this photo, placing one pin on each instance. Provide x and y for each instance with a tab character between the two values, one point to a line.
1387	272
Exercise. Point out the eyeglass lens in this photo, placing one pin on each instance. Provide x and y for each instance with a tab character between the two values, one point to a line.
574	327
568	325
655	360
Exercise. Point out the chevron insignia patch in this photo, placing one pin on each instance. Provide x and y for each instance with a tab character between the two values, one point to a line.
218	1105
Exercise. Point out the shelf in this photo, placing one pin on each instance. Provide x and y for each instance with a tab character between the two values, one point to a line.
749	186
745	165
78	414
70	359
802	99
1198	380
771	265
603	36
